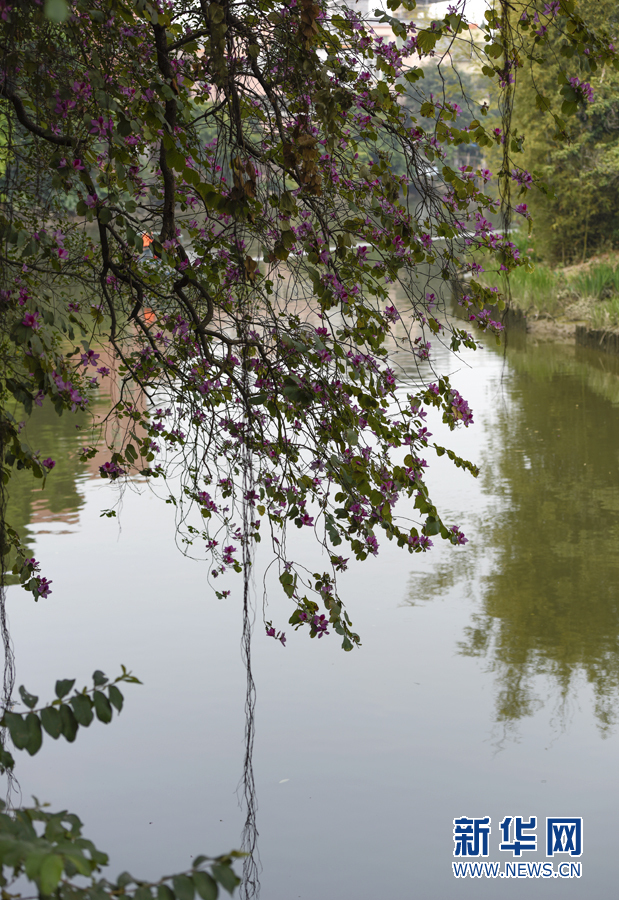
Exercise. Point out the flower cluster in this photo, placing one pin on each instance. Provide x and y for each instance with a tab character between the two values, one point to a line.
583	89
111	470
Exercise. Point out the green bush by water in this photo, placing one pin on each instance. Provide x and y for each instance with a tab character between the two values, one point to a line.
550	291
605	315
599	282
538	289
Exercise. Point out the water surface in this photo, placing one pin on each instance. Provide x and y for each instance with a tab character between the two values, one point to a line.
487	683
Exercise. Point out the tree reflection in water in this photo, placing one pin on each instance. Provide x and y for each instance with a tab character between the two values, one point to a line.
32	507
544	564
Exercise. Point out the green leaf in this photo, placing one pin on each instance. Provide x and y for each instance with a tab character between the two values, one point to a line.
33	864
568	108
69	724
164	892
35	735
6	760
56	10
225	876
51	721
205	885
50	873
82	708
63	687
183	887
143	893
432	526
17	729
102	707
116	698
29	699
99	678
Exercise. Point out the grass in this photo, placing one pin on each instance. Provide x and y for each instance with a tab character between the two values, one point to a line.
599	282
587	292
538	289
605	315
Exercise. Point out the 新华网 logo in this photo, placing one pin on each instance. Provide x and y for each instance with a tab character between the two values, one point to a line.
518	836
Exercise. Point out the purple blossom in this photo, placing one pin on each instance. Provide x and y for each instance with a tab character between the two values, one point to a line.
205	500
391	314
460	410
101	126
227	555
583	89
459	537
48	463
111	470
32	320
43	587
319	625
523	178
419	542
279	636
372	544
90	358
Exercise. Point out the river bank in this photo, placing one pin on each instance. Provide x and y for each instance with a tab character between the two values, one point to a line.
578	302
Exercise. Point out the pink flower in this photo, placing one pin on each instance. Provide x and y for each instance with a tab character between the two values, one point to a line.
31	320
111	470
43	587
459	537
524	178
90	358
100	126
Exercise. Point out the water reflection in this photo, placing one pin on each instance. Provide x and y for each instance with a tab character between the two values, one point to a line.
32	507
544	562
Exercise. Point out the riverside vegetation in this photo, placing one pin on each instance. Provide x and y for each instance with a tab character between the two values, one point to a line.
580	294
